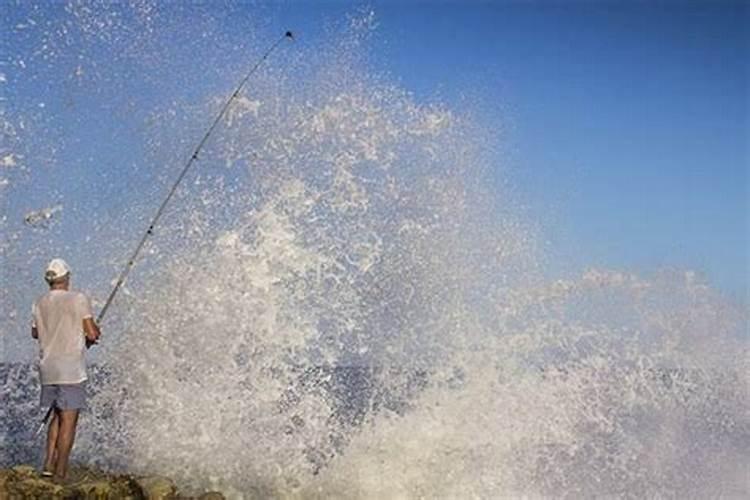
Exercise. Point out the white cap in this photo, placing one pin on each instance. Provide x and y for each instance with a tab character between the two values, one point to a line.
56	269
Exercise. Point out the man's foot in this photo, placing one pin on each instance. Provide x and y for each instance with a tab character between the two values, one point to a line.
76	475
48	470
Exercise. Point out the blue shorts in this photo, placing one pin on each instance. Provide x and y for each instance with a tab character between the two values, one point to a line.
64	396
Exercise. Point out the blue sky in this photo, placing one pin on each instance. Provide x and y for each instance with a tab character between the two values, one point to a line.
625	123
622	125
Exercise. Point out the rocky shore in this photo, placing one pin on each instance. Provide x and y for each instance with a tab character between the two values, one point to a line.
25	482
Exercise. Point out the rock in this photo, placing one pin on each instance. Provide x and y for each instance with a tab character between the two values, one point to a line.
4	476
211	495
24	470
96	489
25	482
157	488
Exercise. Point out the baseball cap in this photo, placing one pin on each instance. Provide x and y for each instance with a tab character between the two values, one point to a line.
56	269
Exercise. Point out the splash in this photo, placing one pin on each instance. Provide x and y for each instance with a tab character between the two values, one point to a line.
42	217
337	304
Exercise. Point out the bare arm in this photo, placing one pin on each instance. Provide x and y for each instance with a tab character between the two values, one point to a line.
92	332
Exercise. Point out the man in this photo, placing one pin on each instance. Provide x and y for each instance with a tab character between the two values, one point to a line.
64	325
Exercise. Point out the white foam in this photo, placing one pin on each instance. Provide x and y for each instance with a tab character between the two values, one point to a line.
41	217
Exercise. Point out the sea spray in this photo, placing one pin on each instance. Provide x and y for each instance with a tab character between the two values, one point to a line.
569	408
338	251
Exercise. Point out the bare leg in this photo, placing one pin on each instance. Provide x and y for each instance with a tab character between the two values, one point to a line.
65	437
51	452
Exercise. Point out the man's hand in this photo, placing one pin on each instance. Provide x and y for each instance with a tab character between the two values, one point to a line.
91	331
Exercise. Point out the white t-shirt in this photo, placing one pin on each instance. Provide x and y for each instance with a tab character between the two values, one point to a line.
58	317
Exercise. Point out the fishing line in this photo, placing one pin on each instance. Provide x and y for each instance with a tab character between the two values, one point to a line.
150	231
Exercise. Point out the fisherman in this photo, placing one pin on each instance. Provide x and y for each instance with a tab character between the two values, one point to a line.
64	325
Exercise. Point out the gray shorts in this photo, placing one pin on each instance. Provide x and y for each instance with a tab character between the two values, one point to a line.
64	396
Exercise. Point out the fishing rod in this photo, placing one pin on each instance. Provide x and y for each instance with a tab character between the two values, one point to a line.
188	164
150	231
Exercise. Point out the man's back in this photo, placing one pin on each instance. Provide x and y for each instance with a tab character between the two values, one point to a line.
63	324
58	317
